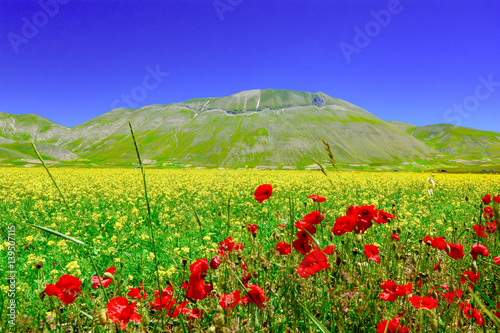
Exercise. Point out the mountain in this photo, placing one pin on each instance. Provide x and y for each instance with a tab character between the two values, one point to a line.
251	128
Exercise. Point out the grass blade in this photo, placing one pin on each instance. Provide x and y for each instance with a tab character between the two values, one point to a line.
319	325
50	231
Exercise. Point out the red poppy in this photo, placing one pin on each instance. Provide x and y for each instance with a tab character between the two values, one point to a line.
263	192
252	228
303	243
256	296
392	290
436	242
215	262
196	288
226	246
163	301
383	217
316	198
121	312
487	199
181	308
66	288
312	263
395	237
471	313
488	213
479	230
424	303
344	224
238	246
479	249
283	248
302	225
391	326
491	227
436	267
496	199
497	314
106	281
452	296
364	215
371	252
456	251
329	250
314	217
229	300
496	260
193	313
471	276
136	292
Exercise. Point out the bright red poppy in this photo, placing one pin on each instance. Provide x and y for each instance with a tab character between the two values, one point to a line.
383	217
121	312
303	243
456	251
491	227
193	313
496	260
263	192
256	296
344	224
163	301
329	250
496	199
424	303
471	276
66	288
452	296
471	313
364	215
226	246
391	326
106	281
479	249
312	263
314	217
252	228
196	288
317	198
436	242
487	199
488	213
137	293
283	248
392	290
229	300
395	237
371	252
479	230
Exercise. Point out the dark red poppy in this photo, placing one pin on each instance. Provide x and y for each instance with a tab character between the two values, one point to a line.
383	217
329	250
66	288
121	312
263	192
137	293
371	252
283	248
424	303
229	300
497	314
303	243
487	199
488	213
252	228
391	326
395	237
479	230
452	296
471	276
215	262
106	281
471	313
364	215
312	263
256	296
479	249
316	198
344	224
314	217
456	251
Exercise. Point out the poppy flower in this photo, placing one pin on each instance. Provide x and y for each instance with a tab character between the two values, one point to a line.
256	296
136	292
252	228
491	227
488	213
316	198
456	251
283	248
106	280
479	249
302	225
437	266
395	237
163	301
263	192
193	313
121	312
226	246
496	199
496	260
479	230
229	300
424	303
174	312
436	242
487	199
215	262
364	215
371	252
66	288
497	314
452	296
344	224
391	326
471	276
246	278
329	250
314	217
238	246
471	313
196	287
303	243
312	263
392	290
383	217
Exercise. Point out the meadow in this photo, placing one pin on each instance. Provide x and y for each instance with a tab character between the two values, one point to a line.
363	254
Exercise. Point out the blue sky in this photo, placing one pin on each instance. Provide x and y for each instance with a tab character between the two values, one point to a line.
418	61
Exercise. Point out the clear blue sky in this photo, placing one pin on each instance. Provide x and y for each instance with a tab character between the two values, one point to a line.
416	64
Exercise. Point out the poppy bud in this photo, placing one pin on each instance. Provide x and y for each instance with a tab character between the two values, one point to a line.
215	262
420	240
460	322
448	248
103	317
409	232
428	243
42	295
399	230
184	262
359	239
434	294
339	261
474	267
109	275
394	246
466	199
434	325
355	251
39	265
